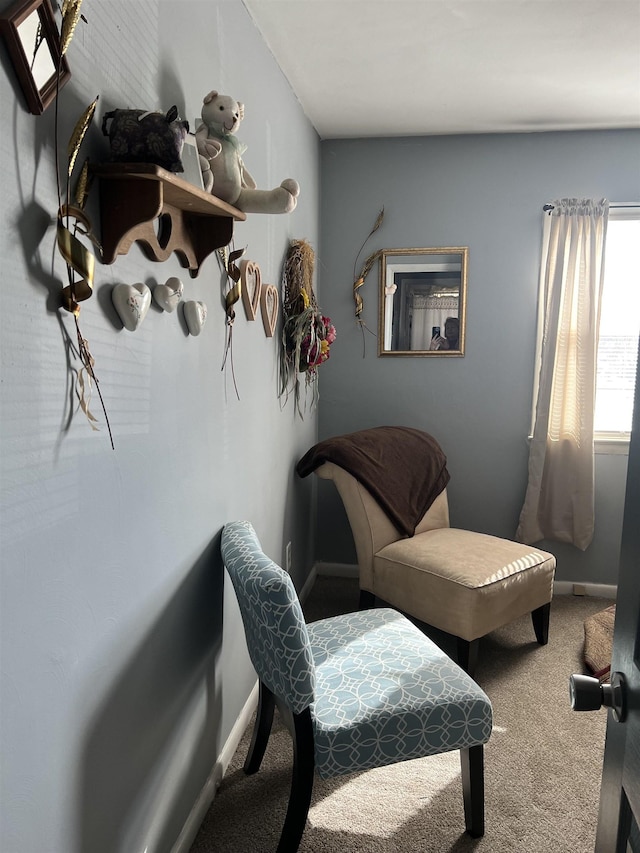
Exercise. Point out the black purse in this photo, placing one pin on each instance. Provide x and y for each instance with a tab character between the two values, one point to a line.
137	136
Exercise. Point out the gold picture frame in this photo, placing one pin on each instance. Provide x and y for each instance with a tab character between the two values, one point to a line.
423	301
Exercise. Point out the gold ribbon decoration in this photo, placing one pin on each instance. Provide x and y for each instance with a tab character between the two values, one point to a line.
235	292
231	297
230	300
77	257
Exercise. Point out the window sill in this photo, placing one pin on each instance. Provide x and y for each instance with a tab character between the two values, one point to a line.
611	443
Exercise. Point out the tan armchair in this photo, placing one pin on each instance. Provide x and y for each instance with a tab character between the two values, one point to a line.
459	581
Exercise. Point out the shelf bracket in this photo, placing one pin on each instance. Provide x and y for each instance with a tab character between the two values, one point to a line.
142	203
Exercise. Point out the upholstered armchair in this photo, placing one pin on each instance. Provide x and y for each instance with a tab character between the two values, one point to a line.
359	690
462	582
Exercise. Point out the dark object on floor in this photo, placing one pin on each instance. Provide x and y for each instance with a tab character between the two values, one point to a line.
598	642
361	690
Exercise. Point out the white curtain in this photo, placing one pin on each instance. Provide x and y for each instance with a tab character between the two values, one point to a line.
559	502
427	312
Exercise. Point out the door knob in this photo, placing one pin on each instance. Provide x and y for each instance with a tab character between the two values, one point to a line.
587	694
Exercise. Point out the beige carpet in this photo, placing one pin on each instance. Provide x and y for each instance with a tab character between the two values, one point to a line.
542	764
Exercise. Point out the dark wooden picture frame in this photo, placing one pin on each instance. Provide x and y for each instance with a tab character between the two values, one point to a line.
29	26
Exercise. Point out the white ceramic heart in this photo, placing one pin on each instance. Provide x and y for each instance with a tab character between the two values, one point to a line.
168	295
269	301
132	302
195	315
251	280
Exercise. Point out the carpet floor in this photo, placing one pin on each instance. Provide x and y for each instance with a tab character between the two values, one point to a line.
542	764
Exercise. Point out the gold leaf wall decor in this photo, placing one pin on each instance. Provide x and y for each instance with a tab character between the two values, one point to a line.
79	132
70	17
78	258
359	280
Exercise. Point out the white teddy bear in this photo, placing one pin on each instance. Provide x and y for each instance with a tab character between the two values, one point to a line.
225	175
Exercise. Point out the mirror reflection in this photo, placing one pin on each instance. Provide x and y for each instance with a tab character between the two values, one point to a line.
36	49
422	301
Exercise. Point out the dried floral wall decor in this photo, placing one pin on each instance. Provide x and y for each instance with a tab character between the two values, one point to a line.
307	334
72	221
359	280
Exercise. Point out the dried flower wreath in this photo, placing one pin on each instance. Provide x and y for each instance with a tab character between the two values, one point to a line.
307	334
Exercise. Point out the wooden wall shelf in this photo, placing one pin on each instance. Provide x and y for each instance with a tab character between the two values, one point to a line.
143	203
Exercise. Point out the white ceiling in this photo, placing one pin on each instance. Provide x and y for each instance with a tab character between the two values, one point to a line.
406	67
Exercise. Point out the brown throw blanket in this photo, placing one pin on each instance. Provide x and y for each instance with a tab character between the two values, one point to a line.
403	468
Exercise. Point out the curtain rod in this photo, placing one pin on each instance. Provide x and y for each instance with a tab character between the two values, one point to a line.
613	204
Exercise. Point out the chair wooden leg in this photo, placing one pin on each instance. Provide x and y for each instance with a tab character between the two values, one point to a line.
540	619
367	600
472	766
301	783
261	730
468	654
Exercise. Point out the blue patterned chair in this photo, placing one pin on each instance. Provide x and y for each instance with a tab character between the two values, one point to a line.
363	689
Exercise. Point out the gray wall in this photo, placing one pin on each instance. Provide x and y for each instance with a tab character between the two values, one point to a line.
123	659
487	193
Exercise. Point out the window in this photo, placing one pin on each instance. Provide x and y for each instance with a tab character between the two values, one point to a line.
619	325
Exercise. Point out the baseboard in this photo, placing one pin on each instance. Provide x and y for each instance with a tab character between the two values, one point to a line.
597	590
308	586
205	798
337	570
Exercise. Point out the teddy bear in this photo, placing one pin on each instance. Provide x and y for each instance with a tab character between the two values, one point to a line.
224	174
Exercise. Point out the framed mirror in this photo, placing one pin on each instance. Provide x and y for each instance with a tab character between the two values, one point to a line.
33	40
423	295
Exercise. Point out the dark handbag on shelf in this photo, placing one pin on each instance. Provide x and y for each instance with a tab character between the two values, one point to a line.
137	136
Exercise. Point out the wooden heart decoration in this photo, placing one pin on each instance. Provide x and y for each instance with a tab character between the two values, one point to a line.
168	295
269	301
251	280
132	302
195	315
